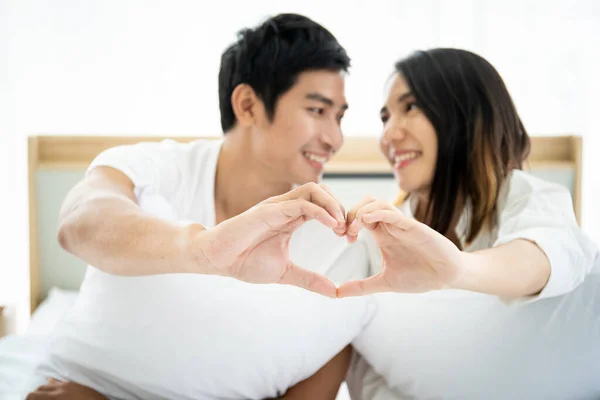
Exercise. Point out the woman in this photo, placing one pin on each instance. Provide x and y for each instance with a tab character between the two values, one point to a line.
495	254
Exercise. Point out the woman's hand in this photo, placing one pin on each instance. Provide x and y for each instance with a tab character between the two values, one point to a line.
415	257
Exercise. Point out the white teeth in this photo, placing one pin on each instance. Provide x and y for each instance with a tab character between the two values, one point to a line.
316	158
406	156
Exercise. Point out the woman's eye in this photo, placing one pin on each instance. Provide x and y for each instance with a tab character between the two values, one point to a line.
317	111
411	106
384	118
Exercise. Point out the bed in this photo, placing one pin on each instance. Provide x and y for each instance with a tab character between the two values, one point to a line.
56	163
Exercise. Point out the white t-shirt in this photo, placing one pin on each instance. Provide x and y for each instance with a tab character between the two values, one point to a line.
188	336
454	344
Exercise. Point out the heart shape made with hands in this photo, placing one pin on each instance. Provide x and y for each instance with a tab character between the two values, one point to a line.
254	246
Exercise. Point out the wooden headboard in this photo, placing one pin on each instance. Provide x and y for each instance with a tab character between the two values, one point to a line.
63	159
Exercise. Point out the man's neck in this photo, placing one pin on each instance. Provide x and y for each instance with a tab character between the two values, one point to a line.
242	180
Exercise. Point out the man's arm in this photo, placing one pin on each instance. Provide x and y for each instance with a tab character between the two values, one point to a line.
325	383
101	223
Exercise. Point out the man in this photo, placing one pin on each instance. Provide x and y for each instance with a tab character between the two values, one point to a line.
156	212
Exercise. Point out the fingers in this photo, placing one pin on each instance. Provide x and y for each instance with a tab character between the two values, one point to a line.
308	280
354	227
42	392
368	206
316	194
341	228
363	287
393	217
307	210
51	386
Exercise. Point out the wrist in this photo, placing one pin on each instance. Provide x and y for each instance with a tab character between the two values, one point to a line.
195	247
466	272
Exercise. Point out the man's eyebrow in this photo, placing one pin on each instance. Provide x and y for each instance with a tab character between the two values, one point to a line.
324	100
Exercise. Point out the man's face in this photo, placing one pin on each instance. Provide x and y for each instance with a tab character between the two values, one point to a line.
305	131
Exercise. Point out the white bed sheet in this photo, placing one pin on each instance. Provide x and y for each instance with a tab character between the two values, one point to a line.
19	356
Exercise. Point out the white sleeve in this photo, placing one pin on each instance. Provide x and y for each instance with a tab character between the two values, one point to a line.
154	167
543	213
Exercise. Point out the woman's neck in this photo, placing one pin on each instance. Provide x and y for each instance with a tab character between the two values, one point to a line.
421	215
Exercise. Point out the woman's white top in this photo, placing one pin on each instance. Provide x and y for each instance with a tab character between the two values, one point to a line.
455	344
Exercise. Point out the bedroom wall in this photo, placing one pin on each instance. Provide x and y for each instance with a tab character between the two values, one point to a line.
149	67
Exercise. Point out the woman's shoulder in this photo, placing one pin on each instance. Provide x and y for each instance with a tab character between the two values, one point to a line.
523	190
525	183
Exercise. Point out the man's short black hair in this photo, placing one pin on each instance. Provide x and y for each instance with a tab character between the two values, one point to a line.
270	57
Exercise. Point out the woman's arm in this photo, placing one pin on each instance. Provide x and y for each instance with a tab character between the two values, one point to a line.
515	269
538	251
325	383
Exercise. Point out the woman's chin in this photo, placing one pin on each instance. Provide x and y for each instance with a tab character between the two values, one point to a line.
411	187
405	186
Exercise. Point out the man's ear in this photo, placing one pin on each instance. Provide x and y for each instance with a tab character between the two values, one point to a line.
246	105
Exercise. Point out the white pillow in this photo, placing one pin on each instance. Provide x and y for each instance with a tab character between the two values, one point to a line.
188	336
460	345
50	311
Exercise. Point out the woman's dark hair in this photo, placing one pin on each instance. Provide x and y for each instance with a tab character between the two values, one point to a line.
480	135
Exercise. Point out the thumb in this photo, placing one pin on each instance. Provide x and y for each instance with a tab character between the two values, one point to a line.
52	380
296	276
363	287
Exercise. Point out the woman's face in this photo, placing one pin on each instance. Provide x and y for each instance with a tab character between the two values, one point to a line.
409	140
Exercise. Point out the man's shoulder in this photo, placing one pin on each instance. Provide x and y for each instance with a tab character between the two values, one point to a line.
181	146
151	161
162	148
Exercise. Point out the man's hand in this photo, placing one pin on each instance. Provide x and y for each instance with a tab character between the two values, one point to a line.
254	246
56	390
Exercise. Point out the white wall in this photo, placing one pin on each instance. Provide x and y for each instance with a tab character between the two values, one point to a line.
150	67
13	216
